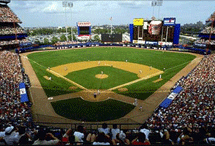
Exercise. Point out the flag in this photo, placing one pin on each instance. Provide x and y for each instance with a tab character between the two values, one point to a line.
110	18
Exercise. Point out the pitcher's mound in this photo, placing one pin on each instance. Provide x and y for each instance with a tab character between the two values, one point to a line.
101	76
122	89
73	87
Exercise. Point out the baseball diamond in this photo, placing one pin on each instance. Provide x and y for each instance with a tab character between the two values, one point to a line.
131	74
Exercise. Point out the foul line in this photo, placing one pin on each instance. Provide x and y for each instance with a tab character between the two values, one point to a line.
56	74
135	81
114	88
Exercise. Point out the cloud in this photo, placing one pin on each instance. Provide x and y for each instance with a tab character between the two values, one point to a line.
89	4
51	8
25	5
133	4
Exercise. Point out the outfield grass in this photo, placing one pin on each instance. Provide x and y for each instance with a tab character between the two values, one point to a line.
143	89
54	87
157	59
78	109
87	77
172	62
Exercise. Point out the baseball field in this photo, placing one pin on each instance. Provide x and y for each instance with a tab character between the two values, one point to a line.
117	75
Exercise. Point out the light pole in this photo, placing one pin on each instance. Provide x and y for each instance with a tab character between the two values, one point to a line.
70	5
64	3
67	4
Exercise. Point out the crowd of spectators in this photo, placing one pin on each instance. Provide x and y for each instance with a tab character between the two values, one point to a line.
190	119
66	43
203	41
9	29
105	136
13	42
194	107
212	17
7	15
208	30
11	74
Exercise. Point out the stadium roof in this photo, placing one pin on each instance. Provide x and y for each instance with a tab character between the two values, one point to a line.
4	1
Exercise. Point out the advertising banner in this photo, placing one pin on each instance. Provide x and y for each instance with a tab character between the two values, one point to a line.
169	21
145	25
81	24
151	43
23	93
155	27
138	22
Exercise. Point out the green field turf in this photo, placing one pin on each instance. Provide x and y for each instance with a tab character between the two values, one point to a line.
79	109
87	77
53	87
172	62
156	59
145	88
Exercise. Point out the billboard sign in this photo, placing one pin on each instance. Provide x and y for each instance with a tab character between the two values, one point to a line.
169	21
145	26
155	27
138	22
84	24
165	43
151	43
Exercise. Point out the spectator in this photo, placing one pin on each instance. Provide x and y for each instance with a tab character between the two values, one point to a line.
70	137
140	140
80	133
102	139
43	136
144	129
121	139
114	131
104	129
11	136
23	137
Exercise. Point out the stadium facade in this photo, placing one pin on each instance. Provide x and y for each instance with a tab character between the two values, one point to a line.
207	35
11	33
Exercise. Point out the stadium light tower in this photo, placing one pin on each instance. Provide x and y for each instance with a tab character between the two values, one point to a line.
157	3
67	4
70	6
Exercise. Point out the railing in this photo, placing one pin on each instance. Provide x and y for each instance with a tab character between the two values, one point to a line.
91	126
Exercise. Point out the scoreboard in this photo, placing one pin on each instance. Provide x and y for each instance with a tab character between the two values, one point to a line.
84	28
146	31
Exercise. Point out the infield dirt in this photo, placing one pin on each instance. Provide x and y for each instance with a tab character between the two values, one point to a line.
43	111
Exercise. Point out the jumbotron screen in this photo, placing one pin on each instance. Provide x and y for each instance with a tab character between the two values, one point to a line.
152	30
84	30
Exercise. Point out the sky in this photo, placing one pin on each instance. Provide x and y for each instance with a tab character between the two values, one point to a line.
52	13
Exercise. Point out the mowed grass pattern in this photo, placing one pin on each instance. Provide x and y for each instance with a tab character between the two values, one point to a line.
79	109
53	87
100	111
156	59
87	77
171	61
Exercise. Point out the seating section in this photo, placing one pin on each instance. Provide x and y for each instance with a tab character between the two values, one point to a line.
9	29
7	15
11	75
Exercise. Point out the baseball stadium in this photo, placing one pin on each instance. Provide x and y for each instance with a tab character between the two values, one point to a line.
149	90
